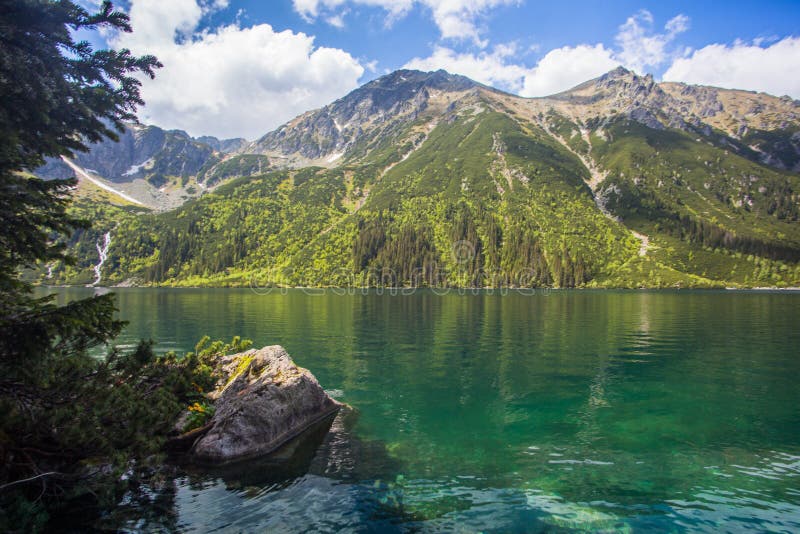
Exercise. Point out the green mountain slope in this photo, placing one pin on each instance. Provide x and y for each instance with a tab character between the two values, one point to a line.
461	185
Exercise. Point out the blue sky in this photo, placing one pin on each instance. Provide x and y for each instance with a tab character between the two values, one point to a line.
542	25
243	67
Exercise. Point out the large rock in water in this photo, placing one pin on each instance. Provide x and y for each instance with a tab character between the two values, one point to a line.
264	401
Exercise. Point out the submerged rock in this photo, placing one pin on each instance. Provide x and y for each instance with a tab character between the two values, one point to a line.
264	400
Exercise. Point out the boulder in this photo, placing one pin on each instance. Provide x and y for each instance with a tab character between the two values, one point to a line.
263	401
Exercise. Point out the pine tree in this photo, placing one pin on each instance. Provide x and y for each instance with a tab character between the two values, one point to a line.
57	95
58	405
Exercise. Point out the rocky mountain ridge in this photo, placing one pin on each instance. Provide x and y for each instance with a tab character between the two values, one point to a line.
325	135
762	127
159	168
165	168
757	125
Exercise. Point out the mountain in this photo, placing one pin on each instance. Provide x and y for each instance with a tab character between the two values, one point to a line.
758	126
226	146
159	168
433	179
353	124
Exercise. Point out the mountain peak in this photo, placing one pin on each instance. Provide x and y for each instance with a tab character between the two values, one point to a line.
618	72
405	79
323	136
624	76
618	84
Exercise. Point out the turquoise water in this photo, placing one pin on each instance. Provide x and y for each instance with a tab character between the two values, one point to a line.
557	411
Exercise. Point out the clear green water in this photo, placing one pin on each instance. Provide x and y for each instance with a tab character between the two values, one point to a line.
560	411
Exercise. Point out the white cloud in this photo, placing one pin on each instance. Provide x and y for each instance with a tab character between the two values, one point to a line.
761	65
771	69
564	68
337	21
640	47
559	70
311	9
490	68
456	19
230	81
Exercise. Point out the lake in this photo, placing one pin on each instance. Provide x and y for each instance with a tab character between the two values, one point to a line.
554	411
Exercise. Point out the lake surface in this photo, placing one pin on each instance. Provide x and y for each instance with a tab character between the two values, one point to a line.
558	411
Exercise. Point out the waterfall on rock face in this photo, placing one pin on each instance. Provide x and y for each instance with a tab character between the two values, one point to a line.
102	252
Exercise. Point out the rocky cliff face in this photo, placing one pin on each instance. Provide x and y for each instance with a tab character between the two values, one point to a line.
159	168
760	126
146	152
225	146
323	136
677	104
